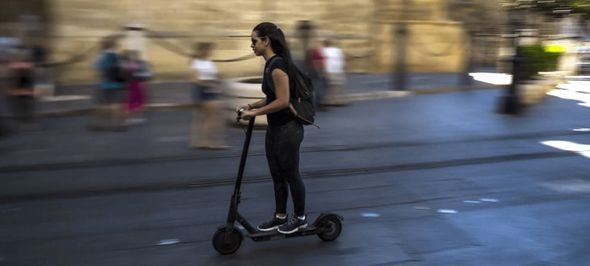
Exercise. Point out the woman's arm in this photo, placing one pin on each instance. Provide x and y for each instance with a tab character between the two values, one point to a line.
256	104
281	82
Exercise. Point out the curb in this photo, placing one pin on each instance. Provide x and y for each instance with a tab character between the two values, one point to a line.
457	89
345	98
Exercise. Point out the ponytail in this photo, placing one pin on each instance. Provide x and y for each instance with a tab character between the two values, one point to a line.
278	44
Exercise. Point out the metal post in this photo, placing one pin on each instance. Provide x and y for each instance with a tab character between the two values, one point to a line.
401	36
511	100
400	74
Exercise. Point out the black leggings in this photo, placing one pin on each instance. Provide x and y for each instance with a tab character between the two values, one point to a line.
282	153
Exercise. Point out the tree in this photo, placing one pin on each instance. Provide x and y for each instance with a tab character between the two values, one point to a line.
554	9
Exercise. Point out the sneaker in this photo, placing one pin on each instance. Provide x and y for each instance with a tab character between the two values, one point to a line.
293	225
272	224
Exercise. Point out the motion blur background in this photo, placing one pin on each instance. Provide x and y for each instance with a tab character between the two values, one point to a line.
457	131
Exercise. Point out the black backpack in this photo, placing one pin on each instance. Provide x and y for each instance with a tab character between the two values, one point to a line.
302	97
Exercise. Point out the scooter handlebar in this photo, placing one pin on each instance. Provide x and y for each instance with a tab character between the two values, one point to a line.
240	114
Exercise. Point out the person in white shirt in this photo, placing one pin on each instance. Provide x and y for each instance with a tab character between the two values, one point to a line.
208	131
334	67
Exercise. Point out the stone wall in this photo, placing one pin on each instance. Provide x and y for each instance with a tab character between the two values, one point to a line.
433	46
362	28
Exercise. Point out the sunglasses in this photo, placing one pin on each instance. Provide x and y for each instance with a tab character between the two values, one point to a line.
254	41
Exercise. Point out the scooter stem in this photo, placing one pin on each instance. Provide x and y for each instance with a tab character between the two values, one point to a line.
235	200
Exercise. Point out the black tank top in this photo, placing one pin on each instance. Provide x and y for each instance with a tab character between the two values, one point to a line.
283	116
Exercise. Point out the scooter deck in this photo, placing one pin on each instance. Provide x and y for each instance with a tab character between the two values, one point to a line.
275	235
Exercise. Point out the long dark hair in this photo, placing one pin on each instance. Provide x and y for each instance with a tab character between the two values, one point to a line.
278	44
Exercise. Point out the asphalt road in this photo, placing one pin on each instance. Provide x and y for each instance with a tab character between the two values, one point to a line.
425	180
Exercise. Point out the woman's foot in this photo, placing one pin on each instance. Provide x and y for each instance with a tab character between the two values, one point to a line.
272	224
293	225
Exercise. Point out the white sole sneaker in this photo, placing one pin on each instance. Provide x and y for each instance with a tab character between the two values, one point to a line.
267	229
292	231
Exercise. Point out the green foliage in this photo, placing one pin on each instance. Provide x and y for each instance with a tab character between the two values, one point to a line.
581	7
552	8
537	59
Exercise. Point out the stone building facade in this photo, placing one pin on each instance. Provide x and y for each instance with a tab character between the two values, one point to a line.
364	29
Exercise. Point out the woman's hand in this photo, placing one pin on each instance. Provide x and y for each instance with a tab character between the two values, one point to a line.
243	108
247	114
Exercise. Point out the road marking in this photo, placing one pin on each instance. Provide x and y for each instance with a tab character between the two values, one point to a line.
422	208
488	200
581	129
370	215
447	211
168	242
63	98
472	201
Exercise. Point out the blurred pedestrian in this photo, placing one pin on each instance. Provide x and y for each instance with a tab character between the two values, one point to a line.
136	73
21	87
208	123
107	114
317	73
284	133
4	59
334	67
312	60
43	79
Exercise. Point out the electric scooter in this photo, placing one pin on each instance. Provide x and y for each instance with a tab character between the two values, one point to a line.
228	238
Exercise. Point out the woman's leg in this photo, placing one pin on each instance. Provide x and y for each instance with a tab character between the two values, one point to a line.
283	156
218	126
208	122
281	188
289	161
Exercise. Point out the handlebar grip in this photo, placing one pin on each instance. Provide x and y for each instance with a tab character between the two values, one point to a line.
240	114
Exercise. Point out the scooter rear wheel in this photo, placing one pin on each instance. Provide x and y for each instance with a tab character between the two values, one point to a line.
227	242
329	228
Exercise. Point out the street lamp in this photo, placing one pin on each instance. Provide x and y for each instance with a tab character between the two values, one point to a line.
511	100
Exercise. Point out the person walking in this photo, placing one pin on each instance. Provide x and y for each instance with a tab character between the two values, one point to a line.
334	68
317	73
108	113
136	72
284	133
22	87
3	89
208	132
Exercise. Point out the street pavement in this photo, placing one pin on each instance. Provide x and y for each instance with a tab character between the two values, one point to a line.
432	179
78	99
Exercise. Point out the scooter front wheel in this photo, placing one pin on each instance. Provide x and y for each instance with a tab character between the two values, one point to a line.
329	227
227	241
